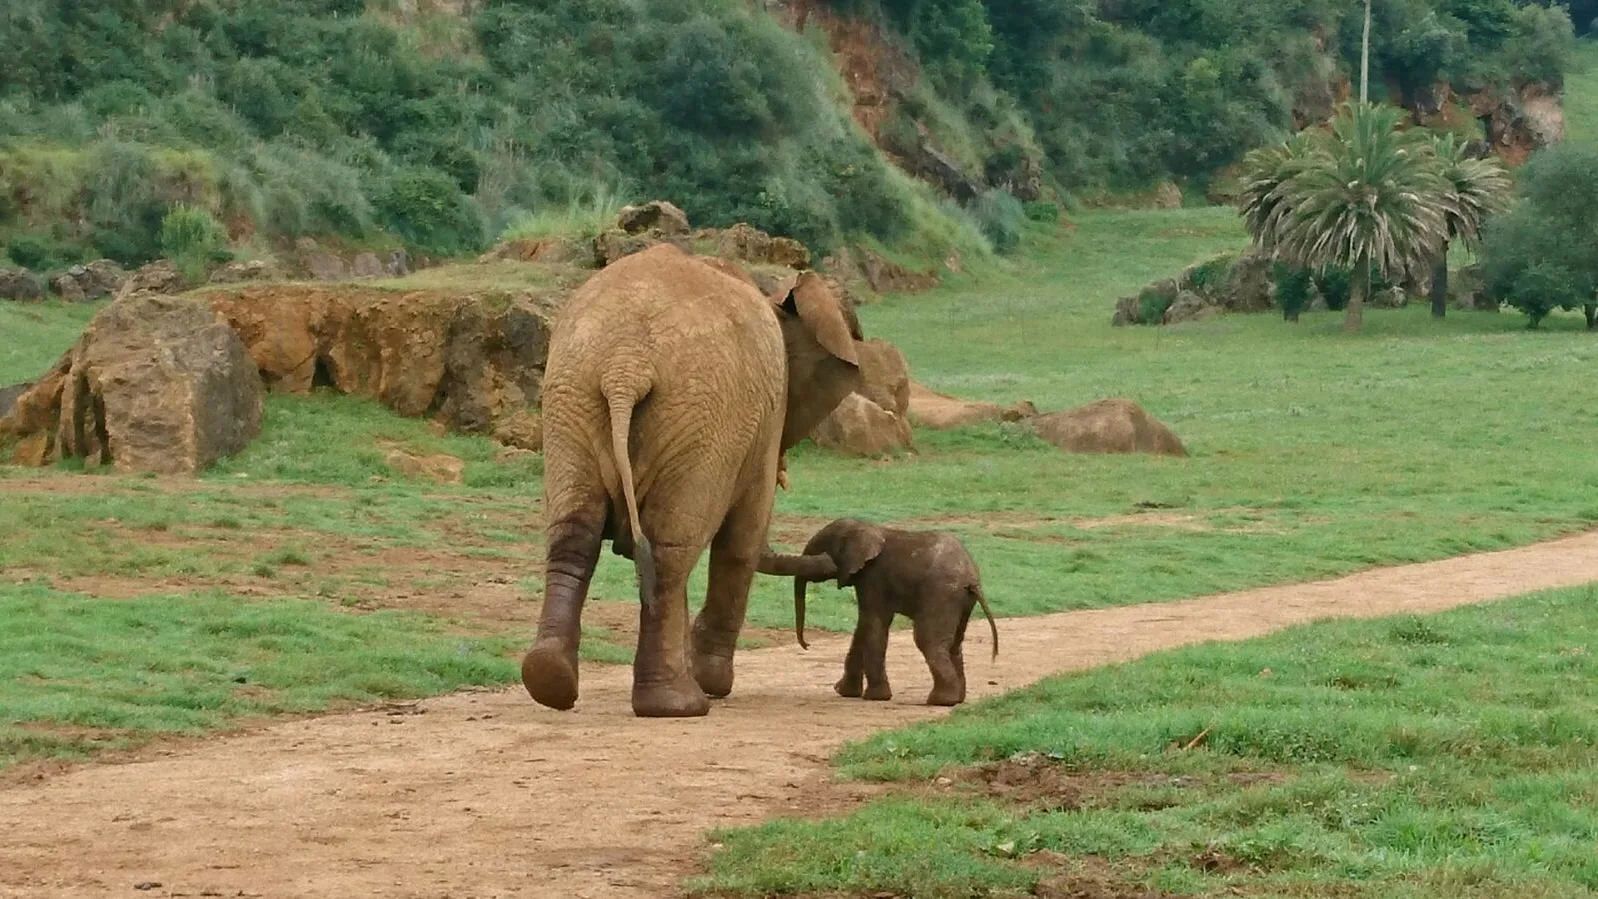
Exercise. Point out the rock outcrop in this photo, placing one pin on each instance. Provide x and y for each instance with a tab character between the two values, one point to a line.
155	384
157	278
1108	426
471	362
875	419
656	215
95	281
939	411
20	284
862	428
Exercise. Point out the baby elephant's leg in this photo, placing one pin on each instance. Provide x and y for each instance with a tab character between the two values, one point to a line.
876	624
935	639
851	685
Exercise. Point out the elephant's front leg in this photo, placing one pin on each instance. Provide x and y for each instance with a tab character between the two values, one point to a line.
663	682
876	620
734	553
852	684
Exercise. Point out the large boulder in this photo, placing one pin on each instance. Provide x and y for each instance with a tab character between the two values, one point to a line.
20	284
155	384
862	428
10	395
97	280
886	276
746	243
1188	306
1248	285
942	412
657	215
1108	426
884	375
1467	289
159	277
472	362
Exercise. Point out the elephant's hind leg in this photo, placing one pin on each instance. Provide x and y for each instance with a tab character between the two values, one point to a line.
663	682
733	555
549	670
934	639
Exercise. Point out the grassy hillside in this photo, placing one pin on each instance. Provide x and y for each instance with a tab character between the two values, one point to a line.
442	125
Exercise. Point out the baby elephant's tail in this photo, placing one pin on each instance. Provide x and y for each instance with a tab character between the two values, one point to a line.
976	591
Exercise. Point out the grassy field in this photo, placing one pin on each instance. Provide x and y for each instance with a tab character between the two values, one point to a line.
1581	95
1447	755
1314	454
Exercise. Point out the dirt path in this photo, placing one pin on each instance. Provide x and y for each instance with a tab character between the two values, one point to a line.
487	795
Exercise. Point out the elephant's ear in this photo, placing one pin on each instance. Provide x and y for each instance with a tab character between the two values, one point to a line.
860	545
812	301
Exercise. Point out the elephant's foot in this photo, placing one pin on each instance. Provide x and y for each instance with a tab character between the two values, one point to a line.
549	672
945	696
848	689
878	693
713	673
681	698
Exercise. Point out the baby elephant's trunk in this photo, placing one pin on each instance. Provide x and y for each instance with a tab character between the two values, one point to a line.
799	585
803	570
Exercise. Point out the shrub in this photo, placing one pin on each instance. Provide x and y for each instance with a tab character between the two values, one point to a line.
1210	275
1001	218
1292	289
1042	213
193	240
1152	304
41	253
426	208
1539	256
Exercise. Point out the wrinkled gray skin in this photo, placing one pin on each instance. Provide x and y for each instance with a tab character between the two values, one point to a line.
927	576
671	392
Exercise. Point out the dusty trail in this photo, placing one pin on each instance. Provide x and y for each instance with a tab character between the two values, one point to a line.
488	795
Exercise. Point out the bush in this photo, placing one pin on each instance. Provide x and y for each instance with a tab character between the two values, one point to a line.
41	253
1539	256
1292	289
193	240
1152	304
426	208
1042	213
1002	218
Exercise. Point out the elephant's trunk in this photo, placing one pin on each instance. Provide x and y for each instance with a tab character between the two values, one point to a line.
803	570
818	567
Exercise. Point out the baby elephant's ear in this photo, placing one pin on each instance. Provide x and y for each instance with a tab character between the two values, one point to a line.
860	545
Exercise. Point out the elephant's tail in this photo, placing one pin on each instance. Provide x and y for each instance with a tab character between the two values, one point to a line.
621	401
976	591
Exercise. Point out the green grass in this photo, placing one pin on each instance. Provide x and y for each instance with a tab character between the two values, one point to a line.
79	674
1314	454
1416	756
34	335
1581	95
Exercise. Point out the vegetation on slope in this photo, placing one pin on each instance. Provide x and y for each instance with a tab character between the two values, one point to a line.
1418	756
440	125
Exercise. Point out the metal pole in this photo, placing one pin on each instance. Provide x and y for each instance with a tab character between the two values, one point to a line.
1365	58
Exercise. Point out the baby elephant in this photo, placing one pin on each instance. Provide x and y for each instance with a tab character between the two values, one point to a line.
926	576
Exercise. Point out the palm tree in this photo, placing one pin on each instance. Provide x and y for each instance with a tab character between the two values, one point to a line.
1477	188
1364	197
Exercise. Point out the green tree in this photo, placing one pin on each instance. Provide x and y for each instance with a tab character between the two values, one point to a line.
1476	189
1364	196
1542	254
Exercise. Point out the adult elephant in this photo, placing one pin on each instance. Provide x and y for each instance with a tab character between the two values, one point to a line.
672	390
